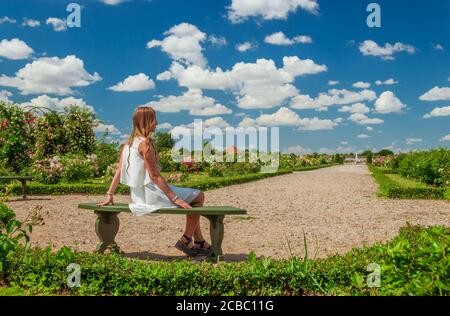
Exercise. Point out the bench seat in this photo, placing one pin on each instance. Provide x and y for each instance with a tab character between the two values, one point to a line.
107	223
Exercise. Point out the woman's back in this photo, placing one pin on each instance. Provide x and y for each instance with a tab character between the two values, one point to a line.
133	171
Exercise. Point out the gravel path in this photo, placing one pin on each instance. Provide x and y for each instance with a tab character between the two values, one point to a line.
337	208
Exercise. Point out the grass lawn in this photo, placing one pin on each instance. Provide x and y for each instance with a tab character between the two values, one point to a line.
407	183
11	291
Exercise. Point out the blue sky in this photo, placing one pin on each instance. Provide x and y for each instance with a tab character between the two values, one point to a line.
385	79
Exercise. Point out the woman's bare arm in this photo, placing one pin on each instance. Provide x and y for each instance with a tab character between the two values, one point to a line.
150	165
114	183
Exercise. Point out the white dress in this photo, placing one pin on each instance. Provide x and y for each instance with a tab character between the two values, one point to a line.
146	196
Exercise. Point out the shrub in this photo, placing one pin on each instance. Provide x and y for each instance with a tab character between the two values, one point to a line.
47	170
16	136
50	135
216	169
177	177
79	128
431	167
166	162
107	155
413	263
78	167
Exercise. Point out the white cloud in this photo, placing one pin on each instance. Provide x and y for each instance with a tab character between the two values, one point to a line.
241	10
333	82
256	85
218	41
5	95
164	126
243	47
388	103
112	2
137	82
286	117
446	138
386	52
51	75
279	38
57	24
110	128
182	43
30	22
344	142
6	19
436	94
55	103
444	111
188	129
15	49
387	82
361	85
355	108
438	47
333	97
412	141
363	119
193	101
363	136
299	150
369	128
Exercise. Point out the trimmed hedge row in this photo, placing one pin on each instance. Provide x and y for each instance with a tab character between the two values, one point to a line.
392	189
90	188
414	263
315	167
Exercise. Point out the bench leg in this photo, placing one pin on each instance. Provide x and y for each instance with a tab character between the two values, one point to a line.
216	229
24	189
106	227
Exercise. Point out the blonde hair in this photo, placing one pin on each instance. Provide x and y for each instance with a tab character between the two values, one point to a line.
144	124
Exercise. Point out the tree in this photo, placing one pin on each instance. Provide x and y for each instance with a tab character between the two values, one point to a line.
50	135
163	141
385	152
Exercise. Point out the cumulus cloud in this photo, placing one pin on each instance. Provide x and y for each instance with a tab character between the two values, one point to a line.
56	104
299	150
332	97
51	75
218	41
361	85
279	38
256	85
6	19
30	22
193	101
112	2
243	47
363	136
388	103
165	126
438	47
444	111
412	141
15	49
241	10
137	82
446	138
386	52
362	119
436	94
58	25
106	128
286	117
355	108
182	43
333	82
5	95
387	82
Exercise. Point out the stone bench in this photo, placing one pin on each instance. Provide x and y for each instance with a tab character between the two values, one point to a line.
107	223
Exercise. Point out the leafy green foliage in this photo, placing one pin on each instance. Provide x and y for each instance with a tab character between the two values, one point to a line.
163	141
79	126
414	263
393	187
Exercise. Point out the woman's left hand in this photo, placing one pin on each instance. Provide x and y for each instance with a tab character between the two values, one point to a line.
109	201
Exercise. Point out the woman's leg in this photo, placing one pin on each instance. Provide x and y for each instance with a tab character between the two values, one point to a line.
193	221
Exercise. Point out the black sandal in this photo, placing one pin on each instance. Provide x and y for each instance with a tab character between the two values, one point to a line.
184	247
202	250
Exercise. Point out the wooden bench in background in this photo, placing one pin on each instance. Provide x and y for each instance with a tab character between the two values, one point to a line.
107	223
21	179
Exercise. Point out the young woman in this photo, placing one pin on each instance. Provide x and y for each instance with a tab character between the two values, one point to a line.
138	167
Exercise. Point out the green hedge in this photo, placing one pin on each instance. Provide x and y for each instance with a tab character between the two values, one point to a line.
414	263
315	167
394	189
91	188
